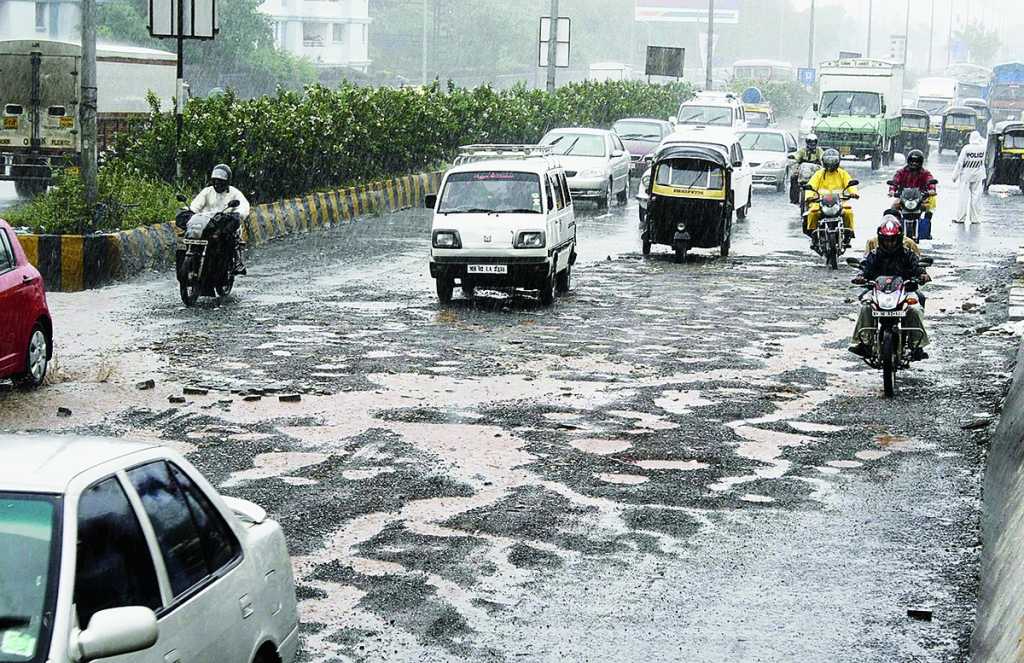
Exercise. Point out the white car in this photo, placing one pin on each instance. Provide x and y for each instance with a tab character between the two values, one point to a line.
767	151
121	549
504	222
711	109
724	140
596	163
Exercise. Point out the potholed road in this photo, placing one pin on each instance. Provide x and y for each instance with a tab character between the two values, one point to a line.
675	462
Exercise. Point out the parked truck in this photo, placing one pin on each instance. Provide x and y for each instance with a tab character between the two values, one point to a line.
1006	93
39	102
859	108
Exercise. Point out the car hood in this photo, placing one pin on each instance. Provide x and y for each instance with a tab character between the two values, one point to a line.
761	156
640	148
578	163
846	123
489	231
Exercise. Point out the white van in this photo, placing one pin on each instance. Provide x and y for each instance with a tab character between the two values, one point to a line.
506	221
711	109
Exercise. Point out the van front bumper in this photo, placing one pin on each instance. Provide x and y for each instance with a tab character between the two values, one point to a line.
522	272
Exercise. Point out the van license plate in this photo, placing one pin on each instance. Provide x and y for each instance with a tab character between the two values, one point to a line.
888	314
487	269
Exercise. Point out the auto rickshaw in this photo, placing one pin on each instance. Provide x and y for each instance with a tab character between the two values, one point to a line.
691	203
914	126
957	124
1004	158
984	114
759	116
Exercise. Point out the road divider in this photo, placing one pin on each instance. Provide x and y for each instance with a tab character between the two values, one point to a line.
70	263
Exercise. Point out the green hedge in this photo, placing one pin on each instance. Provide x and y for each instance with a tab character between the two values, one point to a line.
789	98
294	143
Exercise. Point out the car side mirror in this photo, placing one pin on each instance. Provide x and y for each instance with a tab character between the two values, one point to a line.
114	632
737	164
854	183
883	109
853	262
430	201
181	198
234	203
617	153
815	107
792	150
933	182
791	157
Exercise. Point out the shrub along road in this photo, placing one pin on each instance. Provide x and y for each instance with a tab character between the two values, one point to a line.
675	462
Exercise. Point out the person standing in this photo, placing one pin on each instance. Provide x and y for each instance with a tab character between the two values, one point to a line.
970	174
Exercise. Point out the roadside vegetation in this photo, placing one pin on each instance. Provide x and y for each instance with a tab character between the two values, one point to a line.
788	98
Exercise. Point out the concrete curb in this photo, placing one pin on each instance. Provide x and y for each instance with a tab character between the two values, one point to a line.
70	263
1017	294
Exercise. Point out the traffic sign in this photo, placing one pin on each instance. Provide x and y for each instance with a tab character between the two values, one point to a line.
807	76
563	37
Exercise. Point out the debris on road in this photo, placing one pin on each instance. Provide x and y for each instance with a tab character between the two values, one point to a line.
290	398
145	385
920	614
63	412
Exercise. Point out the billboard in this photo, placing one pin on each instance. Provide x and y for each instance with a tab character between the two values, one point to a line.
687	11
665	61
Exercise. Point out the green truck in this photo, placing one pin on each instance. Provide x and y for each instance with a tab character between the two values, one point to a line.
859	108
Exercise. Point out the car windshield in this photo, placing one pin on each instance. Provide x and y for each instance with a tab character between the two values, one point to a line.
491	191
580	145
28	546
637	131
864	104
915	122
933	106
765	142
690	174
716	115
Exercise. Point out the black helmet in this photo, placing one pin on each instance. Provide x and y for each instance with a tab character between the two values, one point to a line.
915	159
830	160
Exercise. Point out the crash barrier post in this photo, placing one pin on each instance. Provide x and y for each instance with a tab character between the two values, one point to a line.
69	263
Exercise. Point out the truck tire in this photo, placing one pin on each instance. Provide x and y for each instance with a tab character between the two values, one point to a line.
876	159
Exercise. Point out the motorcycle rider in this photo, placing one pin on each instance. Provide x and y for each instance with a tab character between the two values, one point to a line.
970	173
914	175
810	153
215	198
830	178
891	258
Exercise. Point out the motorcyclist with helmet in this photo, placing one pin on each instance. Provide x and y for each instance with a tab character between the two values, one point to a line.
810	153
215	199
830	178
914	175
891	258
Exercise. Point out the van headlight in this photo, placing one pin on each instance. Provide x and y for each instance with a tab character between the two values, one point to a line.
530	240
447	239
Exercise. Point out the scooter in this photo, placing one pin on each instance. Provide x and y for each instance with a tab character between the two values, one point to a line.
916	220
205	262
830	235
889	297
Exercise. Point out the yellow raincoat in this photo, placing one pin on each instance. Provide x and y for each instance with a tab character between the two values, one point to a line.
825	180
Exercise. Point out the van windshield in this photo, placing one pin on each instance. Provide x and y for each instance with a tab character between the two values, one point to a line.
716	115
863	104
491	191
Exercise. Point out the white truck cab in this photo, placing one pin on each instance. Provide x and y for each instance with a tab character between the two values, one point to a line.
504	218
715	109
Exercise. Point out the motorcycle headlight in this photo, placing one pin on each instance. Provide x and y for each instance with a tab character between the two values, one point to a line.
910	204
592	172
681	227
447	239
530	240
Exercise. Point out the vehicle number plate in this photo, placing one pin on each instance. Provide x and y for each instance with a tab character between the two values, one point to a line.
487	269
194	242
10	123
67	122
888	314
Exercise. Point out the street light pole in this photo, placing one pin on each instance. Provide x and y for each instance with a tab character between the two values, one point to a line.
906	38
423	76
949	36
871	9
87	109
709	78
810	45
931	39
553	47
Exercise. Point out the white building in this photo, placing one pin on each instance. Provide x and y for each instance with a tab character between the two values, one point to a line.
328	32
40	19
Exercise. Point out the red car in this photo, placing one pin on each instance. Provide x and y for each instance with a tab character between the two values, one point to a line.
26	332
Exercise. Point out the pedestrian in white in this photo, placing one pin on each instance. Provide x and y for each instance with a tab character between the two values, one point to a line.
970	173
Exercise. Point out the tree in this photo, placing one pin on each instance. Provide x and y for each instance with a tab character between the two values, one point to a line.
982	43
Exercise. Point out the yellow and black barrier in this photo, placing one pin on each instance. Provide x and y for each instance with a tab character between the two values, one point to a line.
70	263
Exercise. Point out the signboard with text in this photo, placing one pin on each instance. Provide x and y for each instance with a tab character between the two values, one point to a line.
687	11
807	76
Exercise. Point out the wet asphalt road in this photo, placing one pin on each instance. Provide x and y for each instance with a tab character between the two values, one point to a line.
675	462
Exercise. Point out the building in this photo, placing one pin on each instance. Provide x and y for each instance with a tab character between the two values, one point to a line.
331	33
40	19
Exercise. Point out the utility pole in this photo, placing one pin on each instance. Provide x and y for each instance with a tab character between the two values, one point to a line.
931	39
87	108
949	36
179	101
553	47
424	72
709	78
871	11
906	39
810	45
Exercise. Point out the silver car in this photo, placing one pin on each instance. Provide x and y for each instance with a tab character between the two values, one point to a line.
596	164
121	549
768	151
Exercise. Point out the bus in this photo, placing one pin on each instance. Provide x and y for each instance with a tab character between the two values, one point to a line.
763	71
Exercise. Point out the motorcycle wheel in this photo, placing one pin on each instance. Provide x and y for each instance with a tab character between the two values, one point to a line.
888	363
646	248
225	290
189	284
832	252
681	250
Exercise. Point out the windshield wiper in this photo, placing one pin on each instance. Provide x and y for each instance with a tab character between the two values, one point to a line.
516	210
828	109
467	210
568	150
10	622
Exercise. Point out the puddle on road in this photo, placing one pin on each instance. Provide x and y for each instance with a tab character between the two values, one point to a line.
622	479
599	447
757	499
808	427
274	464
681	402
871	454
681	465
845	464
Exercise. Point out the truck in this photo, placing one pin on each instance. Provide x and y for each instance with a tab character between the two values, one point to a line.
934	95
859	108
1006	92
39	102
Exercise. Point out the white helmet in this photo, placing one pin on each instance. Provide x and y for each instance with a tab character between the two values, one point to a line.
811	138
221	172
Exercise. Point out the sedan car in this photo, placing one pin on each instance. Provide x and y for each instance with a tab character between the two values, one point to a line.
640	136
767	151
596	164
26	331
112	548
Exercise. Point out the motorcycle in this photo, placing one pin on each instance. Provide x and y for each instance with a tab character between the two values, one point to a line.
916	220
889	298
804	173
205	262
830	235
